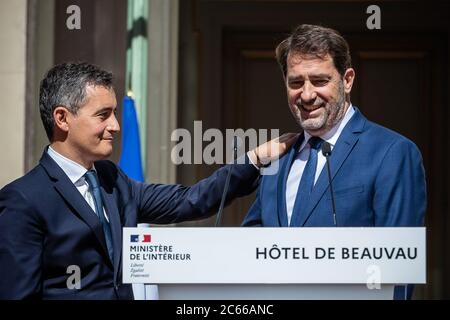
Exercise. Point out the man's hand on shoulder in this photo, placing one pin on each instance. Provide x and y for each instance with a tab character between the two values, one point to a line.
272	150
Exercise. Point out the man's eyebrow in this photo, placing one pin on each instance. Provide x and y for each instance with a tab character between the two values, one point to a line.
103	109
291	78
320	76
312	76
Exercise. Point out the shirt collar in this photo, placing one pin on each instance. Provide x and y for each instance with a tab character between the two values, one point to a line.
72	169
332	135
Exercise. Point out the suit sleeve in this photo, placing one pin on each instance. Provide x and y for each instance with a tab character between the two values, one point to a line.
21	247
253	217
400	187
158	203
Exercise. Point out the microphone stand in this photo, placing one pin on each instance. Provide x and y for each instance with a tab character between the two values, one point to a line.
326	151
227	185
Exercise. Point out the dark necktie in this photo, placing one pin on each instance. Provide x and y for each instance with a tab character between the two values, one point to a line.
307	181
92	180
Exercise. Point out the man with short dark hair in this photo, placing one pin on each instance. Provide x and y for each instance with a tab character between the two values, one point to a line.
377	174
68	212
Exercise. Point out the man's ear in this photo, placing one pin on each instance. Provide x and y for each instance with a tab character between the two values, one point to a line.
60	114
349	77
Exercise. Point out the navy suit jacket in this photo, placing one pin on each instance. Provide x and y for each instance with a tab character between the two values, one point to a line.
46	226
378	180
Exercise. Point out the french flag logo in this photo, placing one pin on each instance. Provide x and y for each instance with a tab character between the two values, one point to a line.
140	238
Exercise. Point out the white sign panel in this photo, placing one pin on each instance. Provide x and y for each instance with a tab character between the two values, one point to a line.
274	255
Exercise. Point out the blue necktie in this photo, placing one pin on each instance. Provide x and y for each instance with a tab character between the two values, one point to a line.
92	180
309	174
307	181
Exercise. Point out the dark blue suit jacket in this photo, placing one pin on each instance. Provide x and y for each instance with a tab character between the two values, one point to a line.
378	181
46	226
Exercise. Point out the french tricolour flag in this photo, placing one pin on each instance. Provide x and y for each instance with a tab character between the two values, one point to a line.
140	238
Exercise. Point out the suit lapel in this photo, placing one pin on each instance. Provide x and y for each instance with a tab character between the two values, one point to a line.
341	151
69	192
282	181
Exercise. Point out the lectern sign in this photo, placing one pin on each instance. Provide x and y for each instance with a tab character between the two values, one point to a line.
274	255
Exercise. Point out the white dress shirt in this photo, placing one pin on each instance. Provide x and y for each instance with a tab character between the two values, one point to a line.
298	166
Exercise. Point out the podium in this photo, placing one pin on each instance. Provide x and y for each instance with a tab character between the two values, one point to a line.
274	263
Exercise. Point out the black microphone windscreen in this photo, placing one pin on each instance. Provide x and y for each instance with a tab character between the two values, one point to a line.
326	149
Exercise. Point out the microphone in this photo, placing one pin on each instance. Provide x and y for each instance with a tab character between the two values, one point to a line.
227	183
326	151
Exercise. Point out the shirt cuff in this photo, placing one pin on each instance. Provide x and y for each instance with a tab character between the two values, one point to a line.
250	159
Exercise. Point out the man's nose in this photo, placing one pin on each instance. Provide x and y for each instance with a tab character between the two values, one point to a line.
114	124
308	94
